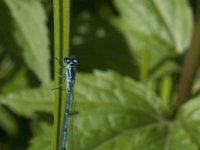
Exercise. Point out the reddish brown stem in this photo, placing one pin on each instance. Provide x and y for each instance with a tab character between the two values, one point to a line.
190	67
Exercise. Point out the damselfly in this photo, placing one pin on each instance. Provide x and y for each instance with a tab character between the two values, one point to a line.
70	73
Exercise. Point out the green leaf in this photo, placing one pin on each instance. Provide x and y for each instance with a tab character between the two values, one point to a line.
8	122
29	32
19	80
28	103
7	69
118	113
162	27
189	117
164	69
179	139
115	112
114	109
42	141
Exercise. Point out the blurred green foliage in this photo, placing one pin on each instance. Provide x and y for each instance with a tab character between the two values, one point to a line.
138	48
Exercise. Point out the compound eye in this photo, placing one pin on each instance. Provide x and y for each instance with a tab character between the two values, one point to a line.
76	61
67	60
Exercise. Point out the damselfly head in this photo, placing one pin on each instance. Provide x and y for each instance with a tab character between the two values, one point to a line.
71	60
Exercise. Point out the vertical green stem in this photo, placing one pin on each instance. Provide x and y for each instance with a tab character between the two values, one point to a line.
166	89
61	49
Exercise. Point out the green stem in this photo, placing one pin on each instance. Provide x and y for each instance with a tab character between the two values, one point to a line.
166	89
190	67
61	49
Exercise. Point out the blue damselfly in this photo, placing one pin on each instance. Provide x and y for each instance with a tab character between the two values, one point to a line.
70	74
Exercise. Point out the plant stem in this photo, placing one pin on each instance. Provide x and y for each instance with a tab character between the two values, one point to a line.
190	67
61	49
166	89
